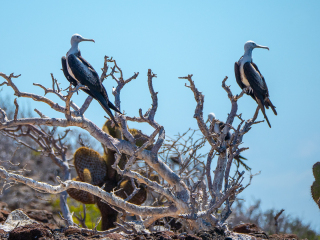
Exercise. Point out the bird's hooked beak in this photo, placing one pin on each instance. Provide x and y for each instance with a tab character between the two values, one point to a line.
86	39
259	46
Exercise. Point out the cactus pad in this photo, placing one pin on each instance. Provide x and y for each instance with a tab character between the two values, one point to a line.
90	163
126	189
315	191
139	137
96	170
316	171
113	131
315	188
81	196
87	175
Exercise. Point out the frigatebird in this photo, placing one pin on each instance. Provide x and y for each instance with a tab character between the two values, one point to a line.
78	71
217	128
248	76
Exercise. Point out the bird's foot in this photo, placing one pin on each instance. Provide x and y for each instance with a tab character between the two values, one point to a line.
248	90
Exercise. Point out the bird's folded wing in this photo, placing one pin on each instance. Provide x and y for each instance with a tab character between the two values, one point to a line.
237	74
255	80
89	67
82	73
257	69
66	73
104	93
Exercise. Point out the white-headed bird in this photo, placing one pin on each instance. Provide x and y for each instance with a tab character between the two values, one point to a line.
77	70
249	76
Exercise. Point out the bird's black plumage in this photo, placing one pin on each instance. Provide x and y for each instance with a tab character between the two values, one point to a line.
69	77
265	91
258	85
238	79
87	76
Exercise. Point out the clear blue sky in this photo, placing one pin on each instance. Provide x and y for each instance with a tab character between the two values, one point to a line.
176	38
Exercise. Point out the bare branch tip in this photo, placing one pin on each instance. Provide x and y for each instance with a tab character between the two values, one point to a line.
14	76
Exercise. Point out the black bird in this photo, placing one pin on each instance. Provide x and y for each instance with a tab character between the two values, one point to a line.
217	128
77	70
248	75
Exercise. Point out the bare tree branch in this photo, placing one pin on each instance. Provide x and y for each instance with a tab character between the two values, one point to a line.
95	190
183	187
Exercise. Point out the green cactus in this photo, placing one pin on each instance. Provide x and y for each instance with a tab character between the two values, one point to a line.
315	188
81	196
95	169
90	166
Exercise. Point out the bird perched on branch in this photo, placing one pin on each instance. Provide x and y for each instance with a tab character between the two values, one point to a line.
217	129
249	76
218	125
78	71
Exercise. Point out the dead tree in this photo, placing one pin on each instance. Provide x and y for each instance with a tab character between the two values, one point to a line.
194	198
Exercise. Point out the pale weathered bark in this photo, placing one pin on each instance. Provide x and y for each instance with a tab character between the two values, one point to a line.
195	198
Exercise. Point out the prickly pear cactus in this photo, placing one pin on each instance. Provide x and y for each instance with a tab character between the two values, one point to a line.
79	195
315	188
95	169
140	137
90	166
126	186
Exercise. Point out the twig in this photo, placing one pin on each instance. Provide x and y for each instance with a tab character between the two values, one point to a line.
85	105
208	173
16	110
276	220
199	97
82	220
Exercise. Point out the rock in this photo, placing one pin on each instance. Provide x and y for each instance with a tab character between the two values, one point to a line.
165	235
247	228
17	218
139	227
4	206
114	236
73	231
43	216
40	215
283	236
240	236
251	229
30	232
3	234
215	233
3	215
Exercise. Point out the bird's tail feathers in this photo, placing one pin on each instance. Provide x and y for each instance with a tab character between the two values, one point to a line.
239	158
261	105
104	104
269	103
113	107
